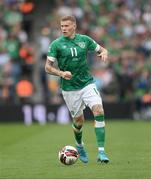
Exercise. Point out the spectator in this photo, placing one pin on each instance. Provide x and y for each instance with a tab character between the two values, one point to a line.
24	90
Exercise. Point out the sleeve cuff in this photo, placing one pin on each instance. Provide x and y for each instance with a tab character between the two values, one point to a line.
97	48
51	58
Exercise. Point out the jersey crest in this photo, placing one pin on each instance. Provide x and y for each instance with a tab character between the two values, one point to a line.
81	44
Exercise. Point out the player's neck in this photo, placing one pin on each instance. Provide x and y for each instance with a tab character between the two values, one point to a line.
72	36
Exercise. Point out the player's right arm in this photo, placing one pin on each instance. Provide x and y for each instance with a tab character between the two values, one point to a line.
50	69
51	57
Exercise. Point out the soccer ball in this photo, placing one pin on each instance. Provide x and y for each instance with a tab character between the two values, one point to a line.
68	155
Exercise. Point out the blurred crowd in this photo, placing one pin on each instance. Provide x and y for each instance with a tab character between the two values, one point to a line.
122	26
16	51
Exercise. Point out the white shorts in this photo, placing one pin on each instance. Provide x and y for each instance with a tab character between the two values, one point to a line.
76	101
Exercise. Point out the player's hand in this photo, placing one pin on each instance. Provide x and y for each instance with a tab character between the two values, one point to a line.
103	55
66	75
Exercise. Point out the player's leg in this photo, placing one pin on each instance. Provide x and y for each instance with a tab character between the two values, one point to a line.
92	98
99	125
75	105
77	129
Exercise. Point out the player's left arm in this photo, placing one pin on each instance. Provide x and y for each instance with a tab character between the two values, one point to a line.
102	53
94	46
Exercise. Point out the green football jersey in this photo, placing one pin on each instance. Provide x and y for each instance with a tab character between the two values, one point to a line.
71	55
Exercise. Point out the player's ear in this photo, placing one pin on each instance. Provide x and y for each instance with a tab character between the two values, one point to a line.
75	26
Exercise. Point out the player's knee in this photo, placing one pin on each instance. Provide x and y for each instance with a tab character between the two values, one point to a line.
79	120
78	123
97	109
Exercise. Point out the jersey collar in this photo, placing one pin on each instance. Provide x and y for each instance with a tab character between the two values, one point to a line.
67	38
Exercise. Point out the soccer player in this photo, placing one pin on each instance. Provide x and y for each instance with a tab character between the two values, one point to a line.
77	84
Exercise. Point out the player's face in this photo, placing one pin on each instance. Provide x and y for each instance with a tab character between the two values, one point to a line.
68	28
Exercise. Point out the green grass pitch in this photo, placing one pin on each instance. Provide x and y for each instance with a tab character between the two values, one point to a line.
32	152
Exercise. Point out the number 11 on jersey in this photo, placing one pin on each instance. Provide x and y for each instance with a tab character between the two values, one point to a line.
73	52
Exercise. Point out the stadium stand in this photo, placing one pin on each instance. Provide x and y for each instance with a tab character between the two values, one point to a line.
123	26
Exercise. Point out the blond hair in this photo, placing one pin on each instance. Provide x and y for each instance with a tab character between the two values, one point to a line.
69	18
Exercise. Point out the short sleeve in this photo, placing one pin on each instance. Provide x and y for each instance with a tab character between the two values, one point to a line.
92	45
52	51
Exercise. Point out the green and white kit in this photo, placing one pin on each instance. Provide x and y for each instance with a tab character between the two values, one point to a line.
71	55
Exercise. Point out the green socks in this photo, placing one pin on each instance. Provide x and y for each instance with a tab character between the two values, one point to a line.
99	125
77	133
100	129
